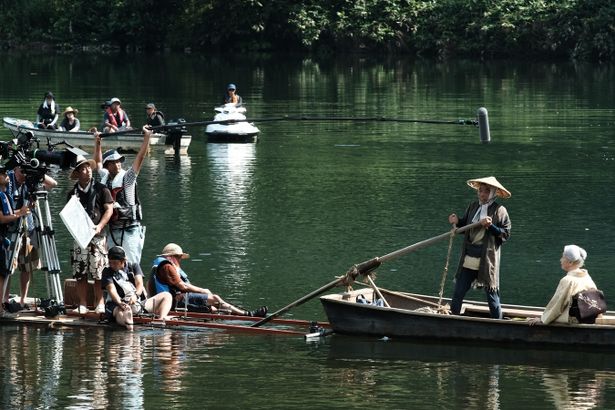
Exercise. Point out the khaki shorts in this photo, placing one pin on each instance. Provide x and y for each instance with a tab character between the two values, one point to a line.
28	258
91	261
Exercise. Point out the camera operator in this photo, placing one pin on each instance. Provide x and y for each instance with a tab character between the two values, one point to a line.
98	203
8	217
125	227
28	259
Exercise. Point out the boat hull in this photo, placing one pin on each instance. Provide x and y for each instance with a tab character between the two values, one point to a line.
225	137
402	321
85	140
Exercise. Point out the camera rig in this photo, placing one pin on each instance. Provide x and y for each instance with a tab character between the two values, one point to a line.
25	152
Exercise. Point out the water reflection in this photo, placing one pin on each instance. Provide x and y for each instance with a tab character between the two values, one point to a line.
43	370
231	179
166	188
581	390
126	370
167	361
87	378
479	377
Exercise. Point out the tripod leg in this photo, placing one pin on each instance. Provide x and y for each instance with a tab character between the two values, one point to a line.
48	250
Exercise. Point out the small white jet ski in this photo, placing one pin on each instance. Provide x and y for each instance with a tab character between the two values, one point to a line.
241	131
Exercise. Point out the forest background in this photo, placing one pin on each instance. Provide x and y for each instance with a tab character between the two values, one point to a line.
537	29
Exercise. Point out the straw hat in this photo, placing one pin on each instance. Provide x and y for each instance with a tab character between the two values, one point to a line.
81	160
491	181
173	249
70	109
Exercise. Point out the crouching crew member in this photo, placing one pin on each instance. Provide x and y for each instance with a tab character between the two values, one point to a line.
168	276
126	295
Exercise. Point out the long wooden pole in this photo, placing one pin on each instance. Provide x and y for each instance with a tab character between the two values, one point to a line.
294	118
364	268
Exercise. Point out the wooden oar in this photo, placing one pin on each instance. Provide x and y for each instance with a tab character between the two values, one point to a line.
373	285
364	268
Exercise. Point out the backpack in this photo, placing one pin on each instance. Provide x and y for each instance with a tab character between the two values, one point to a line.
587	305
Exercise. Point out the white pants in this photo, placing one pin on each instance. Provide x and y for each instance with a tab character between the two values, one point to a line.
131	239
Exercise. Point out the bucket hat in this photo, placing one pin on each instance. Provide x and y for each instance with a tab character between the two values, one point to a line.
112	155
173	249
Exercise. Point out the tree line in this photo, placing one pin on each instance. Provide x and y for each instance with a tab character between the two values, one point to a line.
570	29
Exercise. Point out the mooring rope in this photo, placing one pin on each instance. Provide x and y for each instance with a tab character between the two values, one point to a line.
445	272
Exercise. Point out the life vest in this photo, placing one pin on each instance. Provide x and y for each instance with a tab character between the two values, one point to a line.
122	210
4	228
157	120
124	286
47	112
15	191
113	120
163	287
125	282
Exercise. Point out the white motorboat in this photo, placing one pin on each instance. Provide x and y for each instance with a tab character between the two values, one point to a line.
85	140
241	131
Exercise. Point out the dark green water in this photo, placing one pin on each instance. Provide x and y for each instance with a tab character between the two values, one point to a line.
268	223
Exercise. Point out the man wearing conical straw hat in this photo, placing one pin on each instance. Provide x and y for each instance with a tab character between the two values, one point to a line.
479	265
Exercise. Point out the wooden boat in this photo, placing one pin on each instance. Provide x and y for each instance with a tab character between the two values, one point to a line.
414	316
83	139
180	321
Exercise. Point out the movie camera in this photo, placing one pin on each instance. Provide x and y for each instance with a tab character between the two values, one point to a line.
25	152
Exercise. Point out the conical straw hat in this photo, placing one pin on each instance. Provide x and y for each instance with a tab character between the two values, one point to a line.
491	181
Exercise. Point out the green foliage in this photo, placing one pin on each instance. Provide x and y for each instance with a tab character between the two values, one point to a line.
581	29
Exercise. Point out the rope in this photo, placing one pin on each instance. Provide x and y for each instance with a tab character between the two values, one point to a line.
445	272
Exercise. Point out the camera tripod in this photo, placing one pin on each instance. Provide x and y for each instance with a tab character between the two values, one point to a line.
44	232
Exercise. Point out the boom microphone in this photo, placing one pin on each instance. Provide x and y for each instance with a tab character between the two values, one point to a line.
483	125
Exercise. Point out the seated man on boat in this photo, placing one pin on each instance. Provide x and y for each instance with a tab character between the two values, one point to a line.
155	118
97	201
479	265
231	96
577	280
115	118
48	112
126	295
125	227
70	122
168	276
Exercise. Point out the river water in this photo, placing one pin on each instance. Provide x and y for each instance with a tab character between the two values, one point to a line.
268	223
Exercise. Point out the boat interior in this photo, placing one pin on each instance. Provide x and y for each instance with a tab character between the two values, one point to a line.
432	304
